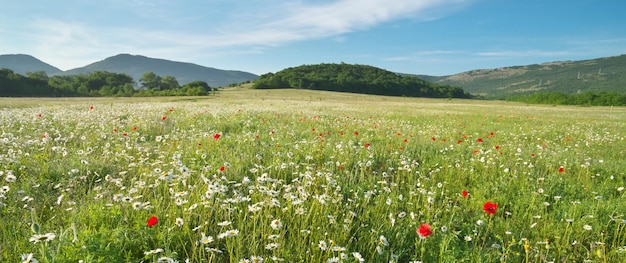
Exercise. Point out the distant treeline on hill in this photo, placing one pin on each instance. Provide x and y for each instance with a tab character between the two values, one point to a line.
586	99
356	79
96	84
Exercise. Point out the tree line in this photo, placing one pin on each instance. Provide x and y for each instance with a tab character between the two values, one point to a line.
585	99
356	79
95	84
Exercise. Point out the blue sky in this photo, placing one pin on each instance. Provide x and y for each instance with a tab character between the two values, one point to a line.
433	37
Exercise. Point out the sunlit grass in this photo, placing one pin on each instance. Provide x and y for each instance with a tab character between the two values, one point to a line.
305	176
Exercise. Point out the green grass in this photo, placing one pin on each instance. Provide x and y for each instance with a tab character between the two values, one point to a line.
343	173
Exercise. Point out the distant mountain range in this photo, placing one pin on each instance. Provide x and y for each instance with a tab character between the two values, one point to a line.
135	66
570	77
596	75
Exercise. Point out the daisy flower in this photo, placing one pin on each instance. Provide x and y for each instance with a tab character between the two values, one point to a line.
206	239
276	224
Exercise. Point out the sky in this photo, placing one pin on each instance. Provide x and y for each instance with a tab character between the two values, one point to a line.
430	37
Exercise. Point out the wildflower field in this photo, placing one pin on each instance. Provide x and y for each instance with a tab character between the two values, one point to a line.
305	176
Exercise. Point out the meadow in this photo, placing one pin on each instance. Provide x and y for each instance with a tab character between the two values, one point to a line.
305	176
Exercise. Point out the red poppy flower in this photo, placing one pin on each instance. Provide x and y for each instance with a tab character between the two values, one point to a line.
164	118
134	128
152	221
424	230
90	107
459	142
216	136
479	140
490	207
464	193
356	133
222	168
39	115
561	170
433	139
497	147
367	146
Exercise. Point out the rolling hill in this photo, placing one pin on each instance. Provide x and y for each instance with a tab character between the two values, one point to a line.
355	79
21	64
569	77
136	66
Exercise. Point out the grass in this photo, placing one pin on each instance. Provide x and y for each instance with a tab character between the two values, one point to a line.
306	176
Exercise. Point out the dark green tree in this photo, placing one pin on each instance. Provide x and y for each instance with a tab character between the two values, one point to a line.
169	83
150	81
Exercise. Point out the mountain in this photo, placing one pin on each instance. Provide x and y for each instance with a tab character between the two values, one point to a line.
569	77
355	79
21	64
136	66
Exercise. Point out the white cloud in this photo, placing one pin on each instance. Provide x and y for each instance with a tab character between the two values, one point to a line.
306	21
69	44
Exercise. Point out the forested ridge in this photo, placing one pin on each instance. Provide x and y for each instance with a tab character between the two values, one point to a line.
356	79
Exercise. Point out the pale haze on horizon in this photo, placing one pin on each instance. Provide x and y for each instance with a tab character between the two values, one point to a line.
430	37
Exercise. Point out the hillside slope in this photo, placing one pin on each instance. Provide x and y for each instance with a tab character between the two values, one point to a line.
21	64
595	75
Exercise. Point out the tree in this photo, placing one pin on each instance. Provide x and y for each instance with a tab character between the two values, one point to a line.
38	75
169	83
196	88
149	81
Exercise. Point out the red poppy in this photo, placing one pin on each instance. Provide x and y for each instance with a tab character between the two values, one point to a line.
479	140
464	193
222	168
367	146
356	133
459	142
163	118
134	128
490	207
424	230
433	139
216	136
497	147
561	170
152	221
90	107
39	115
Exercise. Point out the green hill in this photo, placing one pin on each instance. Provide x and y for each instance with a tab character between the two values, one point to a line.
569	77
356	79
